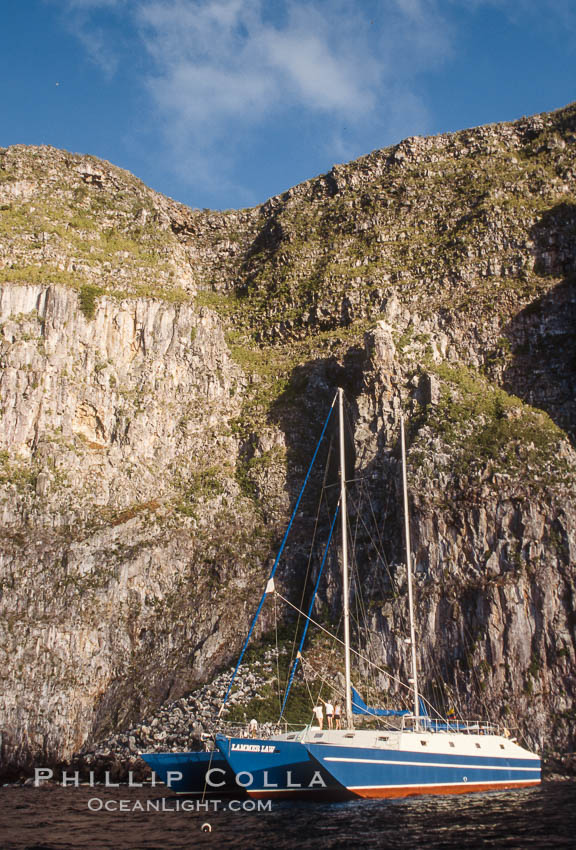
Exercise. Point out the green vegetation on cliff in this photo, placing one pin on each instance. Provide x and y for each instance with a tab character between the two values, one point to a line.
152	448
483	426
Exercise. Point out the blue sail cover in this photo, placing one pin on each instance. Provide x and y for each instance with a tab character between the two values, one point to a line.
438	725
360	707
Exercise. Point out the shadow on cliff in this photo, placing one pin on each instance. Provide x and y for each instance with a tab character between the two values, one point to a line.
300	413
542	336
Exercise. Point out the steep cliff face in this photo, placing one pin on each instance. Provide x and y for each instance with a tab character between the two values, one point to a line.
165	370
492	495
117	477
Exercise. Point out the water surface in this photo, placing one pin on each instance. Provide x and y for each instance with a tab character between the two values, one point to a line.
56	818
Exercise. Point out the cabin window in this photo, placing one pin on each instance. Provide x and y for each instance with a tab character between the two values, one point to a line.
291	737
502	747
349	735
384	738
318	735
452	744
478	746
424	743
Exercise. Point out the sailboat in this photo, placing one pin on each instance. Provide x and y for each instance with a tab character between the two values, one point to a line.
412	754
424	755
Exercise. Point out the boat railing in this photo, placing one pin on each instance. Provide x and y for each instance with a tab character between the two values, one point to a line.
450	724
408	723
260	730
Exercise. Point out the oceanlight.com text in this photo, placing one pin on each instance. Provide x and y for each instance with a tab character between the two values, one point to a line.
164	804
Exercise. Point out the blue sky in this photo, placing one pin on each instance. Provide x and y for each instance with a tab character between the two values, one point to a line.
223	103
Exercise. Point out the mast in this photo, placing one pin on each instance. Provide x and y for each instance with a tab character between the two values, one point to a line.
409	572
345	580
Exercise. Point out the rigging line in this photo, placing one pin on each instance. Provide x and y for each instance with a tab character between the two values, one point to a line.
361	617
278	556
361	614
332	652
359	654
375	522
308	688
363	497
383	586
348	481
310	609
356	506
361	604
334	638
370	647
377	526
370	662
277	651
207	774
370	676
367	710
314	533
338	691
376	544
369	644
333	688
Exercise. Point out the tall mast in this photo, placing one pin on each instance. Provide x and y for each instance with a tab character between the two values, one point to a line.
345	580
409	571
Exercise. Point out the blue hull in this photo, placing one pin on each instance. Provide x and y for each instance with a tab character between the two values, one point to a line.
270	769
196	769
397	773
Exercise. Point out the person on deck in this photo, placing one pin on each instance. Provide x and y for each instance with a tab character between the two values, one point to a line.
337	715
319	714
329	712
253	726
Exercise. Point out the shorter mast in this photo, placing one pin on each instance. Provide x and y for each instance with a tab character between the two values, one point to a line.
409	571
345	580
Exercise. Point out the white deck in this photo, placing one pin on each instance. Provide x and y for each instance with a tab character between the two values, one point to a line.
409	740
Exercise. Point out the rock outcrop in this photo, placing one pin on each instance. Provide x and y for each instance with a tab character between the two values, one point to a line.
164	376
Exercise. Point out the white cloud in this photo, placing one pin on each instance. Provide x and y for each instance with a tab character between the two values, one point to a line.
222	69
227	50
315	60
223	66
80	17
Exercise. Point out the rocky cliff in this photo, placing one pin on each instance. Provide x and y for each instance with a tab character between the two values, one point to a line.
164	376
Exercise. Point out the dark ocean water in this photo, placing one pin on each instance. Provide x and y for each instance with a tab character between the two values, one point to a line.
55	818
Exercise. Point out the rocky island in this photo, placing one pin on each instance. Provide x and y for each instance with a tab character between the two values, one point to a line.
164	374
